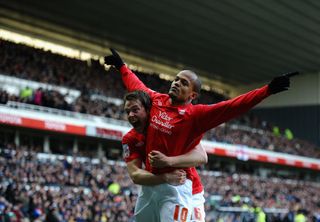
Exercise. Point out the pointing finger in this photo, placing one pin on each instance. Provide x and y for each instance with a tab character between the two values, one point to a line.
291	74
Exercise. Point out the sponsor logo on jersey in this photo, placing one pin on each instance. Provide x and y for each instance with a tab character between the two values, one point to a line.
161	122
164	116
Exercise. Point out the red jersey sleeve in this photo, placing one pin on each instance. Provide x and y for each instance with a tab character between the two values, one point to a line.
209	116
132	82
130	151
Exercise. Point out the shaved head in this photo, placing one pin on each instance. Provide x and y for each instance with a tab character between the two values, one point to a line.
196	82
185	88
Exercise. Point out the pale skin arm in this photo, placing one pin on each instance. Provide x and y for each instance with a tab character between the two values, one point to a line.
195	157
143	177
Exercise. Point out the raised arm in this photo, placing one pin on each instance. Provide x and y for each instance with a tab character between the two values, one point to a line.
195	157
143	177
130	80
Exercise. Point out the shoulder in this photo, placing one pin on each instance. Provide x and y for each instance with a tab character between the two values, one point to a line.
129	137
157	95
133	138
160	99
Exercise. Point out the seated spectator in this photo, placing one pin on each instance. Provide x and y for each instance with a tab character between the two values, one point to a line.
38	189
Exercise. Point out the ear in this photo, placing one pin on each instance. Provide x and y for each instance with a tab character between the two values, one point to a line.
194	95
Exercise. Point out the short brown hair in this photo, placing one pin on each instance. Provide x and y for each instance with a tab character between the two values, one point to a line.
140	95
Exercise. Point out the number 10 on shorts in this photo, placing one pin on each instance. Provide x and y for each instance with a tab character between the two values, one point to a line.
182	212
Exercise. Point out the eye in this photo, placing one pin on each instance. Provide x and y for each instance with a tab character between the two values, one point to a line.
135	110
185	83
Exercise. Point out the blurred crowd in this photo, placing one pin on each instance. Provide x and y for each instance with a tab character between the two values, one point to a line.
91	78
247	130
39	188
54	99
43	66
245	190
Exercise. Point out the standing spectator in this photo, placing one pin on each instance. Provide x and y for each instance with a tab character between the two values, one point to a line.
26	94
38	95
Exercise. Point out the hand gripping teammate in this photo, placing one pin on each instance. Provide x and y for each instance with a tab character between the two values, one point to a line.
175	124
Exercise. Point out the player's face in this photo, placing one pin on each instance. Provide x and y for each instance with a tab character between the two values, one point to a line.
137	114
181	90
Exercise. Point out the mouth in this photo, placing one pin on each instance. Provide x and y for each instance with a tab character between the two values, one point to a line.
134	121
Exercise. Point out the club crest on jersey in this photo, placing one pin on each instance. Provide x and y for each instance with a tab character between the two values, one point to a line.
182	111
126	151
158	102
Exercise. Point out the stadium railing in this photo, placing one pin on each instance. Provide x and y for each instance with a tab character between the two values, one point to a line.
59	112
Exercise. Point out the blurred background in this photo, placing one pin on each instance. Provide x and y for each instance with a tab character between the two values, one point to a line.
62	118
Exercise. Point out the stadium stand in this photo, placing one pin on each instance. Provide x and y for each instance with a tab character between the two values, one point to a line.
88	77
38	186
94	83
235	132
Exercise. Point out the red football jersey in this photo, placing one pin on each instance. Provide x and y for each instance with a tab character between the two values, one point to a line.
174	130
133	144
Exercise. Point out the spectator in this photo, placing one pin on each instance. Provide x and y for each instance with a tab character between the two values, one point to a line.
44	188
38	96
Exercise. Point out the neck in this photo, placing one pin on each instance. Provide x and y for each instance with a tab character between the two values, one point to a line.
139	130
179	103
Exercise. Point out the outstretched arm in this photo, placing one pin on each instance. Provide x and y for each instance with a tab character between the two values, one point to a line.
210	116
195	157
143	177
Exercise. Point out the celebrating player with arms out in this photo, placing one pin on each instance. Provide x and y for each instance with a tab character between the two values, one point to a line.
137	105
175	125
